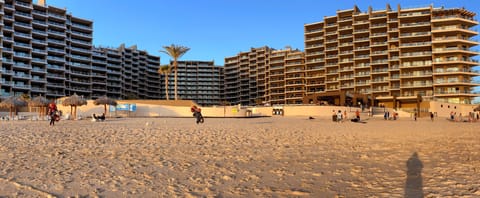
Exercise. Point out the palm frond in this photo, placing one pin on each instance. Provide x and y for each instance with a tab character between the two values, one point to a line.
165	69
175	51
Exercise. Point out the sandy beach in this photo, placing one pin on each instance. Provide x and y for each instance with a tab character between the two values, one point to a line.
257	157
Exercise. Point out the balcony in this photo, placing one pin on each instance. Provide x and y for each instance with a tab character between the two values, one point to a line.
361	30
455	50
314	46
414	24
56	24
417	74
455	93
456	60
22	76
378	25
58	33
23	25
39	32
380	71
22	55
454	28
415	44
362	74
416	84
21	86
416	54
39	51
378	35
415	34
22	35
57	16
466	19
23	4
414	14
456	71
451	39
39	22
417	64
313	31
456	81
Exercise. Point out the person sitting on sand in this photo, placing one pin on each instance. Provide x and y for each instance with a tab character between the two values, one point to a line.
98	118
94	118
102	117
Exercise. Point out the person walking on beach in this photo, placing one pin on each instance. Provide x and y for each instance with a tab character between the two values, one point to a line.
52	112
339	116
431	116
197	113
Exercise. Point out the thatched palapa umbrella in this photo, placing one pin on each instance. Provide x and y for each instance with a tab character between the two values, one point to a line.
12	103
73	101
477	108
39	101
104	100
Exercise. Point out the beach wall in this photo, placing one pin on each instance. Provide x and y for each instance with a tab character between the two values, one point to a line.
443	109
314	111
155	110
150	108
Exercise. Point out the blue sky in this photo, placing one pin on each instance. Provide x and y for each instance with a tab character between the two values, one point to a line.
215	29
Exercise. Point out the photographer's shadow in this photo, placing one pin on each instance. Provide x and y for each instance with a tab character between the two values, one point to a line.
414	182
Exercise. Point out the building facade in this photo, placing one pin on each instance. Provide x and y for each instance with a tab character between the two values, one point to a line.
395	57
47	51
265	76
44	51
125	72
200	81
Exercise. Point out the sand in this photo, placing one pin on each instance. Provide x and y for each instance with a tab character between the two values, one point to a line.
258	157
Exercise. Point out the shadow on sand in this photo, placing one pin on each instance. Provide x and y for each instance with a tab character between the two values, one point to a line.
414	182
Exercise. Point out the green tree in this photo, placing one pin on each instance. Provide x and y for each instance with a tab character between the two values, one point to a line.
175	51
165	70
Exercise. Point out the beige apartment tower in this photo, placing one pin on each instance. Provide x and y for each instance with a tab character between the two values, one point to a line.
391	57
265	76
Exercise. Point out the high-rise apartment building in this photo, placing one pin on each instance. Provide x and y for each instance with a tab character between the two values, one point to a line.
200	81
265	76
125	72
44	51
47	51
396	57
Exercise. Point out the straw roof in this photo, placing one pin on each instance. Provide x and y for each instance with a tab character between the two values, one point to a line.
104	100
13	101
74	100
38	101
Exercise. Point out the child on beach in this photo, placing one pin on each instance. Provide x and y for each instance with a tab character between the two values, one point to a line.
52	112
197	113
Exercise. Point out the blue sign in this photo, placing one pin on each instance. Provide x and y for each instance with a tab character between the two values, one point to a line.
133	107
123	107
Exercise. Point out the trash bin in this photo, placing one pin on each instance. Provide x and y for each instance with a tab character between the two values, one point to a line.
248	113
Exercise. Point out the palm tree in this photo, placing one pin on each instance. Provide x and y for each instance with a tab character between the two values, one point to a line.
175	51
165	70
